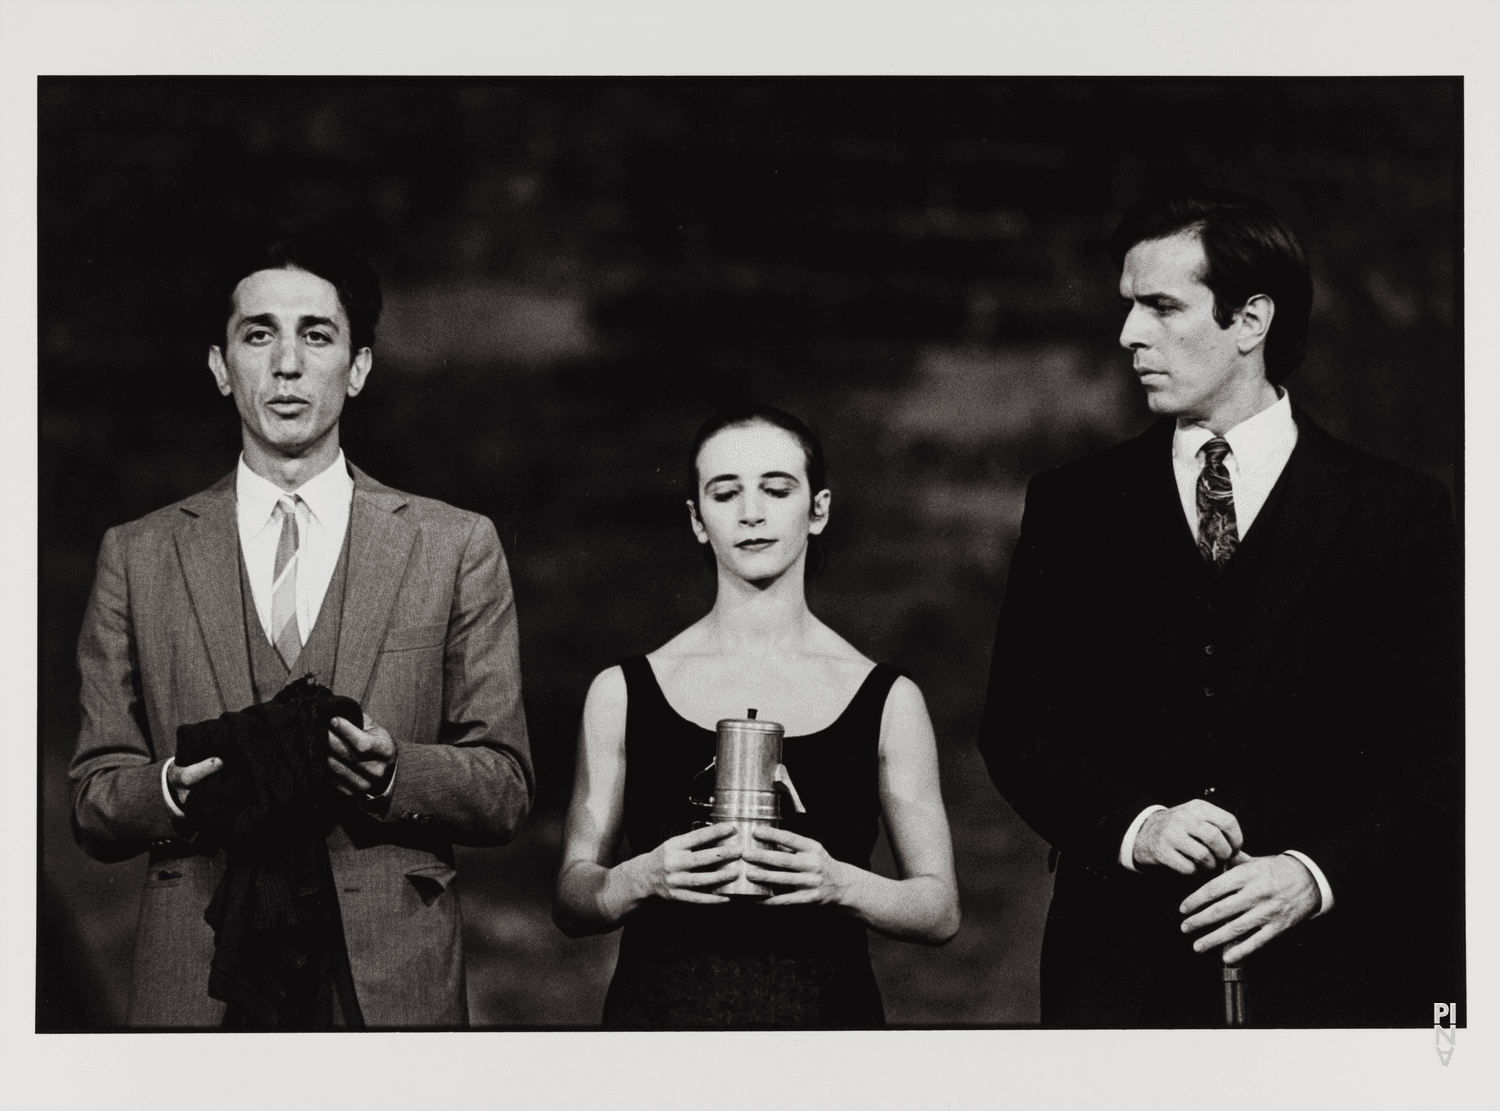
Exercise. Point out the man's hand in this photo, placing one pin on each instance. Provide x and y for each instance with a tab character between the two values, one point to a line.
181	780
359	758
1256	900
1193	837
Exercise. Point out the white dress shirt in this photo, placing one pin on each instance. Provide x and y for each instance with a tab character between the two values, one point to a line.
1258	452
322	504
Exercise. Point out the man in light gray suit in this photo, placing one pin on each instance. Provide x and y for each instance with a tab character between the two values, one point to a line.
299	563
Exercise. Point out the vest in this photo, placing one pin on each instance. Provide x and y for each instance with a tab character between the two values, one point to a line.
268	674
1221	603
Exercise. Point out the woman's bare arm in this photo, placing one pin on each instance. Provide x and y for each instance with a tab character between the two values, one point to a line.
921	905
593	897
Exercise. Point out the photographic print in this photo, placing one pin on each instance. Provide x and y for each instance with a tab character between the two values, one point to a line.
575	275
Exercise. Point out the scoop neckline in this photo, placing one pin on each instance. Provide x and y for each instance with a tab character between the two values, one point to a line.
655	682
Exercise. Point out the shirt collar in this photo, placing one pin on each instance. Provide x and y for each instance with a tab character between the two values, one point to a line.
1252	441
327	495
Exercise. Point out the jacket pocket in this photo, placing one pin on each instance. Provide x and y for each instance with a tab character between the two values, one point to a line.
415	636
431	880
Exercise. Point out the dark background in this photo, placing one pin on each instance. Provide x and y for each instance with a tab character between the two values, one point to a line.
578	271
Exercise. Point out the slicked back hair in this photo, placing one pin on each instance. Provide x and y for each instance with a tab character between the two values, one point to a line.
1249	250
741	416
319	250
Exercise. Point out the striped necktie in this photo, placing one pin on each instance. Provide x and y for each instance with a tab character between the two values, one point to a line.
1218	535
284	631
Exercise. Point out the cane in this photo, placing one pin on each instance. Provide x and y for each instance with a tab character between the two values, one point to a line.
1234	995
1234	985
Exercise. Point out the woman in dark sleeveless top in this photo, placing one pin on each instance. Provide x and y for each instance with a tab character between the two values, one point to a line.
859	747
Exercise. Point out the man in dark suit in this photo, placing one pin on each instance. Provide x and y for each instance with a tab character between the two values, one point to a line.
297	562
1227	676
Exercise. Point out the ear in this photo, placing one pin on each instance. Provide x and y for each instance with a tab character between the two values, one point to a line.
819	513
220	371
359	370
1254	323
698	530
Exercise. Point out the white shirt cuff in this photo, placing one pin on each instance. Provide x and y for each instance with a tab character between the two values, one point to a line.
166	792
1127	846
371	800
1323	889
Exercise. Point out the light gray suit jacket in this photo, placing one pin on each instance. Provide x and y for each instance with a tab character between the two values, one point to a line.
427	646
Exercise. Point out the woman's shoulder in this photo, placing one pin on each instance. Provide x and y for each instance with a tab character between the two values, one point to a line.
608	689
904	695
603	728
904	719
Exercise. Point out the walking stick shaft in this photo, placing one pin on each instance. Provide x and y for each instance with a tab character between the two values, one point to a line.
1234	995
1234	985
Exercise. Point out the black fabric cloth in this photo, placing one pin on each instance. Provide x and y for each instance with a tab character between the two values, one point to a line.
1312	688
280	961
742	964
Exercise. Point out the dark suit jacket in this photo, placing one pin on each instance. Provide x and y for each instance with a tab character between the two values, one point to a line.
427	646
1317	701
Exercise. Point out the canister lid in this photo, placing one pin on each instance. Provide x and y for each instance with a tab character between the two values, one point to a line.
750	725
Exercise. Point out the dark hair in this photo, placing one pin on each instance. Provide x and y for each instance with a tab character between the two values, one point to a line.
319	250
740	416
1250	250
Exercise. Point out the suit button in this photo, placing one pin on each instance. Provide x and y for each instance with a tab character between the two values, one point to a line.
1208	692
1208	649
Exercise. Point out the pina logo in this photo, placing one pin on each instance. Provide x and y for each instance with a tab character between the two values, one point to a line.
1449	1035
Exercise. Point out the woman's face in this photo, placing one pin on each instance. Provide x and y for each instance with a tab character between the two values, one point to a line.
754	505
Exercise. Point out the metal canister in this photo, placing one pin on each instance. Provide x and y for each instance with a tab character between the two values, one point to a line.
748	779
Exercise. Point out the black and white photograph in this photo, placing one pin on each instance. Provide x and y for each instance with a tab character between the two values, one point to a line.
565	565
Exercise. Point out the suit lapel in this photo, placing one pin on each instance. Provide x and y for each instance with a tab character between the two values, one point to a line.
380	543
1305	511
208	547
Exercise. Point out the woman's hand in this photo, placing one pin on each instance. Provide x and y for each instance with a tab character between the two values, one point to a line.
595	895
799	863
922	905
680	867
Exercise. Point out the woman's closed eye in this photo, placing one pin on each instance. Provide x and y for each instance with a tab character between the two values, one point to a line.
775	487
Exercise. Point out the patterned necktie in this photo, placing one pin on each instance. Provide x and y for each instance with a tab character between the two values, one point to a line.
284	589
1218	535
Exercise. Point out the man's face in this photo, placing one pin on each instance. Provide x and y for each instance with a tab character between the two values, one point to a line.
287	360
1190	367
